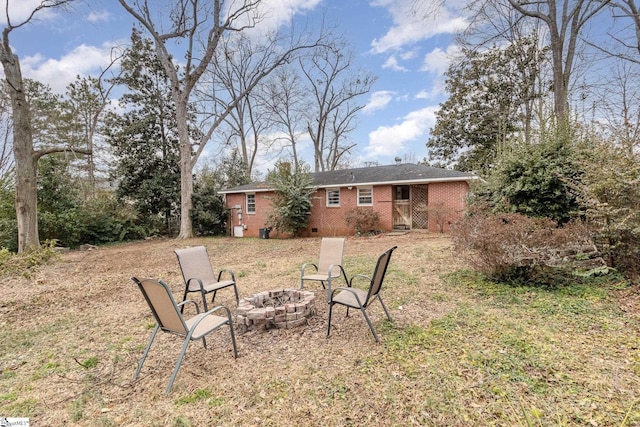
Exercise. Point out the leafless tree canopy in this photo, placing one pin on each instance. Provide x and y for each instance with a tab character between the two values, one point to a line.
198	30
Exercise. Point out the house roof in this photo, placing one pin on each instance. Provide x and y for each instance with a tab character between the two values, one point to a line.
396	174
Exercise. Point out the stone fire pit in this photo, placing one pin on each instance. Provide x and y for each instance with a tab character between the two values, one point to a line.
286	308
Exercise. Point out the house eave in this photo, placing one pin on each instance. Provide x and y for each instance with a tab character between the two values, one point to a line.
363	184
396	182
249	191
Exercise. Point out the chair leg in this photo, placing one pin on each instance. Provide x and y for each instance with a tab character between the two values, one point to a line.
384	307
329	321
184	297
204	302
369	323
146	351
235	289
178	363
213	298
329	290
233	339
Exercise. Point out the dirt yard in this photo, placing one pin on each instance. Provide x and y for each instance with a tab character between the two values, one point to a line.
72	334
83	309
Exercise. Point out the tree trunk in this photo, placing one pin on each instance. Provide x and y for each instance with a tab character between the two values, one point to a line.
560	73
186	191
25	159
186	170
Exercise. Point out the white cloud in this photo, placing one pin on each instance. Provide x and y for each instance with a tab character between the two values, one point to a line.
58	73
437	61
378	101
410	54
416	21
277	13
393	64
101	16
390	140
20	10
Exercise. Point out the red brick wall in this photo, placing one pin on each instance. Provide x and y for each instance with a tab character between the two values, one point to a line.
446	203
330	221
252	222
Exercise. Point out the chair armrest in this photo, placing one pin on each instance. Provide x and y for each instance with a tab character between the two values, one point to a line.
197	280
230	272
332	266
305	265
220	307
189	301
362	276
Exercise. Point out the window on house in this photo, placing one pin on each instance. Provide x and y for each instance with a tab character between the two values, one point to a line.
333	197
365	196
251	203
402	192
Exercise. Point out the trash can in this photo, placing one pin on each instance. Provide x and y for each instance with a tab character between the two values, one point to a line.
264	233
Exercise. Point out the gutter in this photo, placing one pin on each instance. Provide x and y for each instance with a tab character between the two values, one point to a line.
361	184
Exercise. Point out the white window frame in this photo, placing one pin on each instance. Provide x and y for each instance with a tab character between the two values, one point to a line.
369	189
250	206
332	193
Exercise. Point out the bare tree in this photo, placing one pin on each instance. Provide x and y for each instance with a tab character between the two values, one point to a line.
619	106
285	99
6	148
25	155
335	87
624	32
237	66
564	20
630	9
87	99
187	35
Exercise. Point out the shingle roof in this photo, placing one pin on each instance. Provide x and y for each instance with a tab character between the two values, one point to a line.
403	173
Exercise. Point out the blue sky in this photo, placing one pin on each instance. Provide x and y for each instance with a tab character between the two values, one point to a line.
405	51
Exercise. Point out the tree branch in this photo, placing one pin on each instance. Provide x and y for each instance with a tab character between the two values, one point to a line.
37	154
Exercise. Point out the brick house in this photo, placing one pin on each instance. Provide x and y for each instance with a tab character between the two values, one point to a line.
406	196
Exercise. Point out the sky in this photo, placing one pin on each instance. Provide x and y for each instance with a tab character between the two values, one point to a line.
407	52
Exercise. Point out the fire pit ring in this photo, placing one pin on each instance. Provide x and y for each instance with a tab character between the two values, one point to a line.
281	309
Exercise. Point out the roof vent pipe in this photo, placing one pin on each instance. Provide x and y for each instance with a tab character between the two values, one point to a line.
398	160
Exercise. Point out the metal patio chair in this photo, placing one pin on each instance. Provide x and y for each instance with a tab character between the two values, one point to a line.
199	276
169	319
351	297
329	264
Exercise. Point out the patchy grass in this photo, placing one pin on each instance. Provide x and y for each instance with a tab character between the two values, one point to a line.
460	350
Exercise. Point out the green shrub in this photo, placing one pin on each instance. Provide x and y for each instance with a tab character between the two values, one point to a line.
63	226
208	216
105	220
291	204
24	263
8	222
